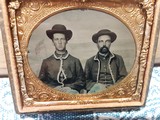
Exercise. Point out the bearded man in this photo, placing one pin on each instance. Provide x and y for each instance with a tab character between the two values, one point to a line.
105	68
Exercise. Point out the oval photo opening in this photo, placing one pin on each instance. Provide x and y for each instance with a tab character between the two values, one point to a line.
81	52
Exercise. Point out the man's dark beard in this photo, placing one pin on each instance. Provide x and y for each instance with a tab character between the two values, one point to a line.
104	50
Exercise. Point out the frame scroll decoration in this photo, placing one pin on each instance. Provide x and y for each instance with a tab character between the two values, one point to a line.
141	13
148	8
13	6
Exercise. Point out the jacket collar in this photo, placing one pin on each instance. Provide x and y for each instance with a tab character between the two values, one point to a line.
59	56
96	58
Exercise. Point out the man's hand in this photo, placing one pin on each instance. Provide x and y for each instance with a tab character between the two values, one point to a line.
97	88
66	90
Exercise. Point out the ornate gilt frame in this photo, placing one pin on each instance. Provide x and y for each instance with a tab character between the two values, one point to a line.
30	95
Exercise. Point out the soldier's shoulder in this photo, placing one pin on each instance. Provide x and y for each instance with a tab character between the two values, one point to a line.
73	57
91	58
118	57
49	58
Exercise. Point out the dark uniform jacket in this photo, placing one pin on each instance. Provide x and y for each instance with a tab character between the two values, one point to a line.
115	65
56	67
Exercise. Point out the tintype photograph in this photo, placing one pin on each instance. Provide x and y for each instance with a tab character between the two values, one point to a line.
85	54
81	51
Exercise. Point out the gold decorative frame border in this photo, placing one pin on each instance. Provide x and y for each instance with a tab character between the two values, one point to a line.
30	95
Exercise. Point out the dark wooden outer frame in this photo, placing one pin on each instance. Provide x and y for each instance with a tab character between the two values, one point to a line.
31	95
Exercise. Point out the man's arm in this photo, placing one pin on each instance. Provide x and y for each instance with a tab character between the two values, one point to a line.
88	75
122	69
42	73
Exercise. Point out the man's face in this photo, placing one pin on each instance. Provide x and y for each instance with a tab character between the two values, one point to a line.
104	40
59	41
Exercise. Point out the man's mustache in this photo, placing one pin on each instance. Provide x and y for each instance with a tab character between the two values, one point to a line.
104	50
